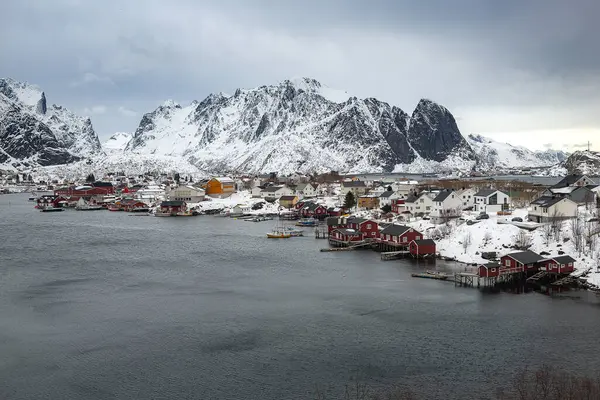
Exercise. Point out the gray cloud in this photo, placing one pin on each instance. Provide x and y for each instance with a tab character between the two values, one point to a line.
502	66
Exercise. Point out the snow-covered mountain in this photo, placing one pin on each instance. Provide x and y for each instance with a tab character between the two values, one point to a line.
301	125
31	133
117	142
583	162
492	155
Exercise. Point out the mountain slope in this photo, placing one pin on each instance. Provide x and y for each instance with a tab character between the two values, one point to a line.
583	162
298	125
493	155
32	133
117	142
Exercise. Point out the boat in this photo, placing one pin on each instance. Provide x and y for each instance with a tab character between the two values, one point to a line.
89	207
430	275
140	210
293	231
279	235
307	222
32	198
51	209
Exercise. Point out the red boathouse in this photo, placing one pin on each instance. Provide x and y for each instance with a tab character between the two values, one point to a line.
422	248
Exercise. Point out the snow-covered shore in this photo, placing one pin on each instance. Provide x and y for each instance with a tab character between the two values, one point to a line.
466	243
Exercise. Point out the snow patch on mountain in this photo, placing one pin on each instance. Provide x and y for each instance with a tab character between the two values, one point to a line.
117	142
298	125
492	155
33	133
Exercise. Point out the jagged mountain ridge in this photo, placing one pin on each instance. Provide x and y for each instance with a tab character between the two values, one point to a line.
299	125
492	155
31	133
585	162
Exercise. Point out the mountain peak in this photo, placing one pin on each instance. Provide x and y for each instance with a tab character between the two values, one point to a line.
170	103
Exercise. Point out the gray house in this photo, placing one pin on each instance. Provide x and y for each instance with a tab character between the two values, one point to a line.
578	194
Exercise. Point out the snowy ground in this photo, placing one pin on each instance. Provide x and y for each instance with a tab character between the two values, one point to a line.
488	235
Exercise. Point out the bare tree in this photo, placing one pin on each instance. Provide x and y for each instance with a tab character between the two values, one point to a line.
577	233
487	238
522	240
556	220
466	242
548	232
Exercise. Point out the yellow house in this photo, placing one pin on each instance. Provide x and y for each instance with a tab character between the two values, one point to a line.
288	201
368	202
220	187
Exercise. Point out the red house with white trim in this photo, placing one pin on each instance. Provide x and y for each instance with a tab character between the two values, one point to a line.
398	206
368	227
522	261
559	265
346	235
423	247
489	270
399	235
313	210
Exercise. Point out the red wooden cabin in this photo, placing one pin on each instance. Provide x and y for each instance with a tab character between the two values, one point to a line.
368	227
313	210
398	206
173	206
423	247
131	205
336	223
489	270
559	265
398	235
49	200
346	235
523	261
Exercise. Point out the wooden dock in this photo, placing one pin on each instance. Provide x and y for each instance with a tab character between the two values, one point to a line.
394	255
321	232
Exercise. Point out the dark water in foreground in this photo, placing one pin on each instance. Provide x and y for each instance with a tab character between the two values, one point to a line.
100	305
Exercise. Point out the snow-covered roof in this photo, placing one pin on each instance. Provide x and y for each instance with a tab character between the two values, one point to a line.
564	190
224	179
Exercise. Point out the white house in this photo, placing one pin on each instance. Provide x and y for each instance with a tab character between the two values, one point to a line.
491	201
256	191
420	204
358	188
189	194
304	190
546	209
446	204
272	193
467	197
574	180
385	198
404	187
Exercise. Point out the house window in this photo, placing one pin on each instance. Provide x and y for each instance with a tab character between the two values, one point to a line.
417	237
493	269
404	239
507	262
368	226
373	233
544	210
570	264
427	208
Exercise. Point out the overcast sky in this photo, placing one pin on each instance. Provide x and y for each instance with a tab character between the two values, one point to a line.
522	71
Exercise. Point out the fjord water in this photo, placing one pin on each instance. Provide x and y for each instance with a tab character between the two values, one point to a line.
101	305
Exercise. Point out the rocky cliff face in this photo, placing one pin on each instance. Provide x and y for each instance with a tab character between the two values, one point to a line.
299	125
32	133
583	162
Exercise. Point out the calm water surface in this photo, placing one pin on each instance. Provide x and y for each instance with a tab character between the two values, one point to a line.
101	305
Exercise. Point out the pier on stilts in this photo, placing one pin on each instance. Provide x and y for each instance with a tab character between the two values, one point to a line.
321	232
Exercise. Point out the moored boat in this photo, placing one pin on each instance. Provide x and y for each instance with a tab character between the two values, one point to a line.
278	235
294	232
307	222
51	209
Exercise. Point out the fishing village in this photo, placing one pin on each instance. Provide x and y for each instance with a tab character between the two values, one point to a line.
499	233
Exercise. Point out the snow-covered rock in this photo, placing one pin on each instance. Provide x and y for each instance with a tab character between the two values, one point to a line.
583	162
117	142
298	125
492	155
31	133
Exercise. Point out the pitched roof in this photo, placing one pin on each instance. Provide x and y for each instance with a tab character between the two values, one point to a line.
102	184
443	195
272	189
491	265
301	186
568	180
224	179
355	184
563	259
387	193
485	192
357	220
331	221
411	198
425	242
346	231
525	257
547	201
172	203
395	230
287	198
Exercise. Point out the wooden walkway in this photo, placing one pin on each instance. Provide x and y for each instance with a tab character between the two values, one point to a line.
393	255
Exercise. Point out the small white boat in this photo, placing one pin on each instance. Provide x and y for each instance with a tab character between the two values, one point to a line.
294	232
